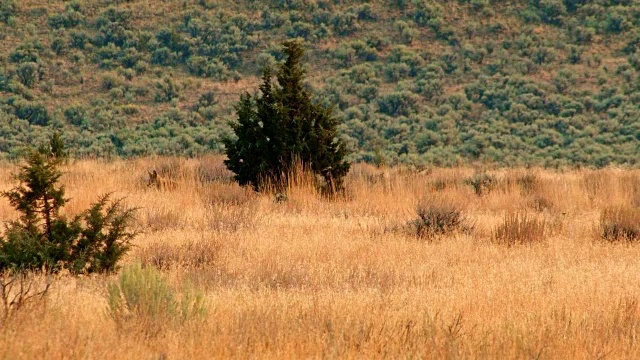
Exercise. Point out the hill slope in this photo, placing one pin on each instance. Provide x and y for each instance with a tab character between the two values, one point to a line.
545	82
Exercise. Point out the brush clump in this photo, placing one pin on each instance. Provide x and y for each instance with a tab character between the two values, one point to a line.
520	229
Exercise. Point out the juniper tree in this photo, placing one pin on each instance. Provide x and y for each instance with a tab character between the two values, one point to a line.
280	126
43	239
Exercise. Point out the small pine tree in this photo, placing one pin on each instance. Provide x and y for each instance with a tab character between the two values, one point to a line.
42	239
281	126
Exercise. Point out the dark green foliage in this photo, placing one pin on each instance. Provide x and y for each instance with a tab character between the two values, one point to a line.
26	52
167	90
71	17
34	113
42	239
472	88
8	9
28	73
282	126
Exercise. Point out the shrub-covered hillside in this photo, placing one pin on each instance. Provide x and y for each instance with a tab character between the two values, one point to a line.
550	82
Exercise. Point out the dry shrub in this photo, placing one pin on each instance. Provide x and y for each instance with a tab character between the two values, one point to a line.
520	228
436	220
620	223
192	254
21	289
482	183
540	202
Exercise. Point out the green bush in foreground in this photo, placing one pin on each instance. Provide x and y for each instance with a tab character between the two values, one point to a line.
43	240
143	296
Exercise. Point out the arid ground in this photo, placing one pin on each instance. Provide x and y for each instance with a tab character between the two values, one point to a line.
310	277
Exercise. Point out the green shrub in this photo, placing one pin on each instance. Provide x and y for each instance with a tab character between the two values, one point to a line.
163	56
26	52
520	229
71	17
345	23
78	39
34	113
397	103
43	239
28	73
167	90
141	296
8	9
60	44
212	68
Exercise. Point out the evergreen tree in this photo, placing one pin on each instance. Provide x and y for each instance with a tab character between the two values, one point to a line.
43	239
281	126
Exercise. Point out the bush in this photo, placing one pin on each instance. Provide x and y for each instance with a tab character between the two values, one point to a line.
34	113
8	9
42	239
28	73
212	68
70	18
620	223
20	289
436	220
399	103
167	90
520	229
482	183
141	296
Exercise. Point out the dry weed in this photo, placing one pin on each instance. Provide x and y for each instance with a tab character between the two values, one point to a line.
520	228
620	223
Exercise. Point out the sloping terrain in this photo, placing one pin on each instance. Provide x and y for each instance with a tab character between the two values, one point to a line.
544	82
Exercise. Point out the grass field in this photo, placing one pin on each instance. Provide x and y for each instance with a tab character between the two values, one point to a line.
314	278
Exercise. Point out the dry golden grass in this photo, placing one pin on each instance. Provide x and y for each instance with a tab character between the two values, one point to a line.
312	278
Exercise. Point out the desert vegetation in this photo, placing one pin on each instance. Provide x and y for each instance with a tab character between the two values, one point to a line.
406	264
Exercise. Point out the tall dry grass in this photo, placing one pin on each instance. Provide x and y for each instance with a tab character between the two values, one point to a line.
309	277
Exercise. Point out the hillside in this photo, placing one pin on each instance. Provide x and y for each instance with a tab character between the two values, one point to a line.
544	82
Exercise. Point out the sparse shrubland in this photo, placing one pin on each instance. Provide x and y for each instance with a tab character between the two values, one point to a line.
309	275
547	83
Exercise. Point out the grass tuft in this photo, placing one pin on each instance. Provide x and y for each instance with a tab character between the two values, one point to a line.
520	229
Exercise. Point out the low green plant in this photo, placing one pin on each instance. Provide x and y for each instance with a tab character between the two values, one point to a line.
142	296
167	90
8	9
28	73
44	240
